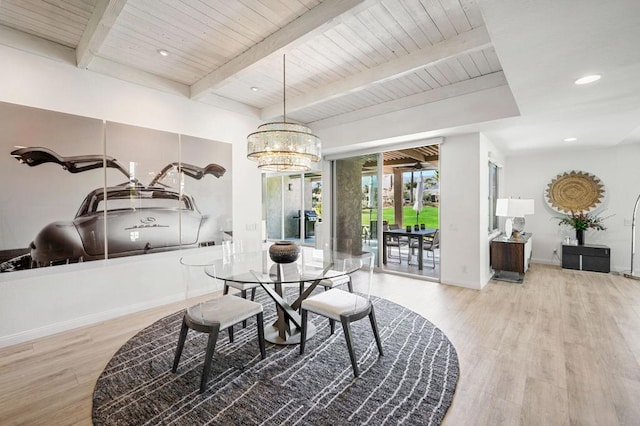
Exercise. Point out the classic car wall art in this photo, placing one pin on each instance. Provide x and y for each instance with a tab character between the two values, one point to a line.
139	219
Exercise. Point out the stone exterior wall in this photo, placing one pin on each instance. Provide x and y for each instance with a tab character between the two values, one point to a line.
349	204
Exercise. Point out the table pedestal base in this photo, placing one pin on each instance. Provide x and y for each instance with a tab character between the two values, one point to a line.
272	335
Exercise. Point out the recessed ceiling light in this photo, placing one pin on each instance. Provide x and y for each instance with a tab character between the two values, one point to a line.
255	89
587	79
163	52
570	139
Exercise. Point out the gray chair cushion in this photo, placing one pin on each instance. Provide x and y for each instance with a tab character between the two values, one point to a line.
226	311
336	281
242	286
335	302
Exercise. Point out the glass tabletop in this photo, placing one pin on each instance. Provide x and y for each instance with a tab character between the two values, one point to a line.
312	264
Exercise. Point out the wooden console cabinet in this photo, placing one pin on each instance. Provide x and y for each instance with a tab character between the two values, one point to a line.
588	257
511	254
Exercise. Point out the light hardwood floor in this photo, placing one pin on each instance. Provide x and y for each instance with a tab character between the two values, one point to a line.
561	348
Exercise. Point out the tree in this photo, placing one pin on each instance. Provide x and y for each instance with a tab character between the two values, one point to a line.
432	180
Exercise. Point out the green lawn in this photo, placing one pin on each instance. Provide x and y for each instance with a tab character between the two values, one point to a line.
428	216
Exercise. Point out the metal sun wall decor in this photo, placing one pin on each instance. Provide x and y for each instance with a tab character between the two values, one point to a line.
575	191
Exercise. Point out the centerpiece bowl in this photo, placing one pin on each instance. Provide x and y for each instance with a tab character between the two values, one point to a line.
284	252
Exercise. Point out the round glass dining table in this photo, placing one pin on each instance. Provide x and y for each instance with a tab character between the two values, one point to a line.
312	266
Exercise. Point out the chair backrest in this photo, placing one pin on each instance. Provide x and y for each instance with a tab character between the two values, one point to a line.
248	246
370	263
367	261
234	247
436	239
195	279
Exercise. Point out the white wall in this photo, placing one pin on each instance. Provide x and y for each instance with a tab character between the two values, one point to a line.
39	302
463	211
617	167
488	151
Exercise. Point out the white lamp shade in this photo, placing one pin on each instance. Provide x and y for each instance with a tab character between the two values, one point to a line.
502	207
514	207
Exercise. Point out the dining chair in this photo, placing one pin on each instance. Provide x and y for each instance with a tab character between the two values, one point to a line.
430	244
339	305
229	248
337	279
213	315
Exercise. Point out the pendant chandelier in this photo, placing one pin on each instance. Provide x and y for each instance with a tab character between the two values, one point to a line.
283	146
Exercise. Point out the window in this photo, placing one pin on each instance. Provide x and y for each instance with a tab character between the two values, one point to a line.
493	196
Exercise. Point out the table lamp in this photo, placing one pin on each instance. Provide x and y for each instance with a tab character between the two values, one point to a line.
514	209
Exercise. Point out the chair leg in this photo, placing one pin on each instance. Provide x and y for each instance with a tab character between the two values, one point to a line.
226	288
253	294
244	296
346	329
208	358
332	325
350	285
374	327
230	330
303	331
182	337
301	291
260	321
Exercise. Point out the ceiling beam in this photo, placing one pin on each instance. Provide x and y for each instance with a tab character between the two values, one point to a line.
403	161
102	19
440	94
476	39
321	18
414	153
400	161
36	45
143	78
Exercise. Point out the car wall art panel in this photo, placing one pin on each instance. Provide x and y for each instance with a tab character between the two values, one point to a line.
53	210
211	194
36	193
142	215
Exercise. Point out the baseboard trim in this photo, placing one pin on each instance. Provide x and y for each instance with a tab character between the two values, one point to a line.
25	336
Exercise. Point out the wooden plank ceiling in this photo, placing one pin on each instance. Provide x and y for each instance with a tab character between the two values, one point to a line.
411	159
345	59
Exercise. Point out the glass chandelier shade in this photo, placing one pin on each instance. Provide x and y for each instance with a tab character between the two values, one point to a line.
283	146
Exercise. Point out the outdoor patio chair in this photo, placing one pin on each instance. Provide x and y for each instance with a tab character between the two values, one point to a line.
430	244
398	242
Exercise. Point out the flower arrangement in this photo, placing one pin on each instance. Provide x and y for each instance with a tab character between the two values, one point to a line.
582	221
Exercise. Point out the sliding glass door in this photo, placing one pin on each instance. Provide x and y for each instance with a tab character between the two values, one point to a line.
293	207
379	192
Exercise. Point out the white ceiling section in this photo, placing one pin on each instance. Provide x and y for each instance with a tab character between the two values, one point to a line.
353	60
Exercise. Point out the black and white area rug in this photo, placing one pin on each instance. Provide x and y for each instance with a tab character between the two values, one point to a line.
413	383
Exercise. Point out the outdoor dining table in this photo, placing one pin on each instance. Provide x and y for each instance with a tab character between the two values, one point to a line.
420	234
312	266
